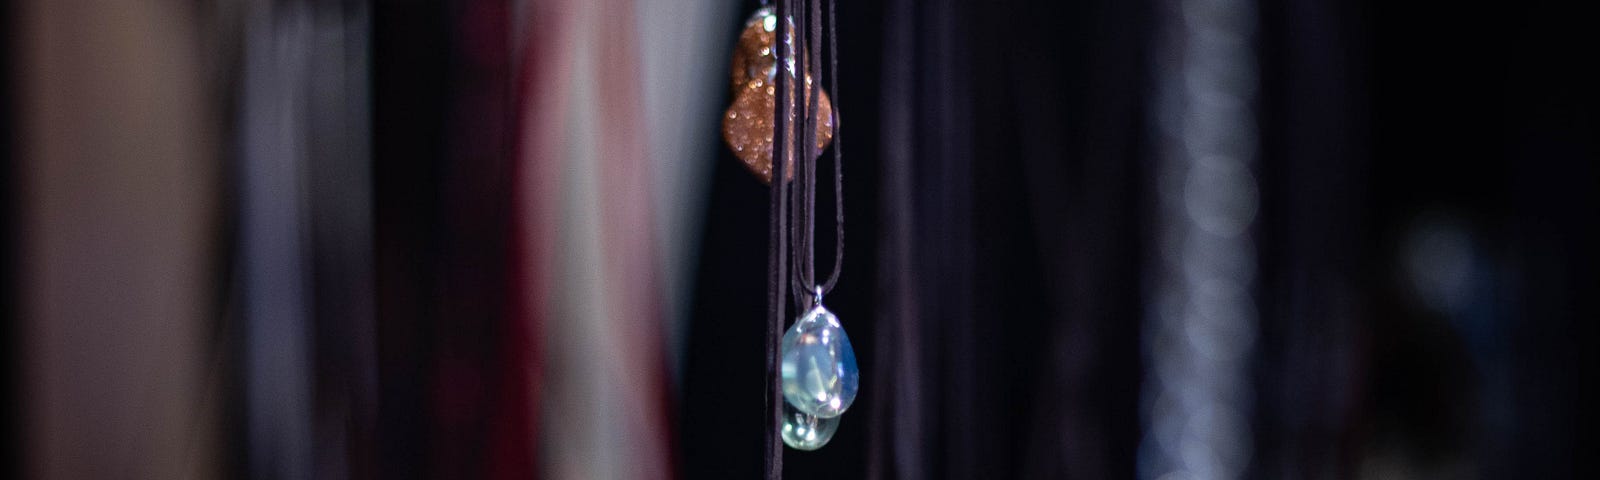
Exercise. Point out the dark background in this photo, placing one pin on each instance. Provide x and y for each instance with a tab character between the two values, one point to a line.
1020	135
9	428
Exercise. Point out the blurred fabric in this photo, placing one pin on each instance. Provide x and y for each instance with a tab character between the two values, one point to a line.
304	267
118	220
587	193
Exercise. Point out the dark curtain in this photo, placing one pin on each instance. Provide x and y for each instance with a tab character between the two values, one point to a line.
442	119
990	284
10	431
1000	182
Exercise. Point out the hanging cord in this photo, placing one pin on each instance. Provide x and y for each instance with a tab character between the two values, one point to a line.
804	197
804	208
777	260
796	152
838	151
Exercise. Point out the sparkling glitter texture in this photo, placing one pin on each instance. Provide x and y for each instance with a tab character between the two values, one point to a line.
747	125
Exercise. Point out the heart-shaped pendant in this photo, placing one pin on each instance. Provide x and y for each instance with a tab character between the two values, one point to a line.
747	126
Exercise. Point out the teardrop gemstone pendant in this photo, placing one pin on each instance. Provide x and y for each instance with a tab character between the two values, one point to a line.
819	370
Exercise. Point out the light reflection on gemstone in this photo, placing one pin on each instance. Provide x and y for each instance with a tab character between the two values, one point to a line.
806	432
819	370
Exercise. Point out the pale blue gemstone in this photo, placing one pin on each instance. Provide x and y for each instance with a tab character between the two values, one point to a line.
819	368
806	432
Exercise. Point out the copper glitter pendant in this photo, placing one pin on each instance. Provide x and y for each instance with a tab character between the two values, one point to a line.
747	125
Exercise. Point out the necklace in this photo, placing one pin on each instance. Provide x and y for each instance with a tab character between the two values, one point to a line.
772	118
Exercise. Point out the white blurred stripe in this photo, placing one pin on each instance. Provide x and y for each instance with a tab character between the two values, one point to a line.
684	51
592	233
1201	319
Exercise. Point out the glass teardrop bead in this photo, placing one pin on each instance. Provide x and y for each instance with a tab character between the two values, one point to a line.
819	370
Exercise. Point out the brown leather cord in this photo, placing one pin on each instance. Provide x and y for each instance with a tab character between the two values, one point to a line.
838	149
804	207
799	208
777	254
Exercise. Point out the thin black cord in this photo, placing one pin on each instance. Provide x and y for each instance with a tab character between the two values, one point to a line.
795	152
777	264
805	149
804	208
813	103
838	149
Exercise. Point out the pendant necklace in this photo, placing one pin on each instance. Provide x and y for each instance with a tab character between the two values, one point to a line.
817	373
